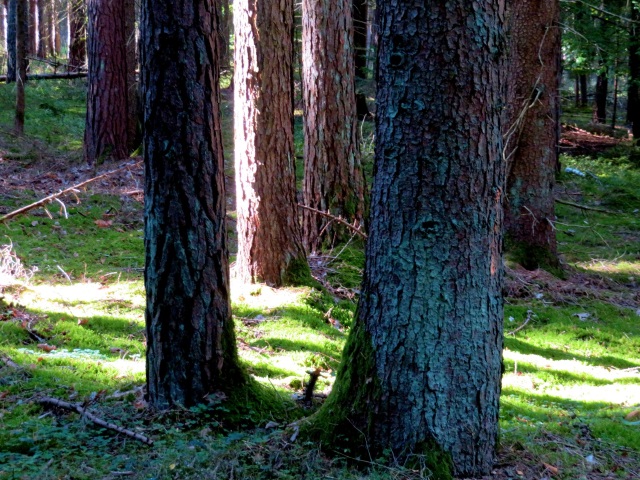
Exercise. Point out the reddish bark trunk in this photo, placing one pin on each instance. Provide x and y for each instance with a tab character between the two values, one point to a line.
77	34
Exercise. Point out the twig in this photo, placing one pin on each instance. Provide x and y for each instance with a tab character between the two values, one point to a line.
584	207
66	275
340	220
54	196
98	421
8	362
530	315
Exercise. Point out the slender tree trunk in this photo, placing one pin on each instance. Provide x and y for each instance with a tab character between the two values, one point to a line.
614	112
191	348
22	27
226	25
62	27
42	28
333	178
33	27
372	39
421	369
633	103
576	89
269	236
584	94
360	13
77	34
3	32
602	91
107	131
132	83
11	41
532	134
50	27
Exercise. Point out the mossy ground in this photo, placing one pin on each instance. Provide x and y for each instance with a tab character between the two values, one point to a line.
572	373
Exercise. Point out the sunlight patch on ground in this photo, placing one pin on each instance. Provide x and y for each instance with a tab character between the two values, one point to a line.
617	266
259	295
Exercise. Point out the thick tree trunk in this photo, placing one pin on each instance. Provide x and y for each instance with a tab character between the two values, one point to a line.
602	91
633	103
360	13
269	236
191	348
422	365
11	41
106	130
584	94
22	28
77	34
532	134
333	178
33	27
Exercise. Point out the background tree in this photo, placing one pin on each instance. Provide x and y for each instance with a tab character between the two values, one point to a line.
77	34
269	237
43	13
191	348
108	102
633	93
533	131
3	32
422	365
22	28
333	178
62	27
33	24
11	41
359	14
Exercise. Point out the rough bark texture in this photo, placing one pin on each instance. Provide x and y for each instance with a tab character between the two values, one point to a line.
22	27
602	90
133	138
11	41
333	178
77	34
42	28
226	25
533	130
269	238
359	13
633	103
191	348
584	94
422	366
33	23
106	133
50	26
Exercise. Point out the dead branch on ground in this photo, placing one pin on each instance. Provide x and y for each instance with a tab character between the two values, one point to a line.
584	207
98	421
44	201
340	220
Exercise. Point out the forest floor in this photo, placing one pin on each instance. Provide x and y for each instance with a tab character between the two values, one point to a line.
72	328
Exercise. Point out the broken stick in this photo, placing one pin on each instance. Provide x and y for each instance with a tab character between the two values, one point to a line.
340	220
54	196
98	421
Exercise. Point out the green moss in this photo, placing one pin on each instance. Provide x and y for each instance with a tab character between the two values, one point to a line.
298	273
533	257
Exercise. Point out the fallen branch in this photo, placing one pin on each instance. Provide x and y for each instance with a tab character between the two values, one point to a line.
50	76
584	207
8	362
340	220
98	421
54	196
530	315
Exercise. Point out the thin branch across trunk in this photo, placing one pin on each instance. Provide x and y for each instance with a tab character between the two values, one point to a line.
98	421
340	220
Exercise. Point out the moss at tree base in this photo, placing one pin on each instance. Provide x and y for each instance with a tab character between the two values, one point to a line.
533	257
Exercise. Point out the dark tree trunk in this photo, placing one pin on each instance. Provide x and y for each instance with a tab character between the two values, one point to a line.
107	131
77	34
333	178
422	366
3	32
226	25
191	348
50	27
42	28
372	39
133	138
269	236
360	13
584	94
532	135
633	103
576	89
33	27
11	41
602	90
22	28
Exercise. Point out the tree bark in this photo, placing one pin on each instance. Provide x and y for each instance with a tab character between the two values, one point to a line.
584	94
50	26
22	27
191	348
533	129
133	139
633	103
333	178
602	90
3	32
77	34
11	41
269	237
33	27
42	28
62	27
106	129
226	25
360	13
421	369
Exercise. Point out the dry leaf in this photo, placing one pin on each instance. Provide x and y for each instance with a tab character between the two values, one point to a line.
83	321
103	223
551	468
46	347
4	394
633	415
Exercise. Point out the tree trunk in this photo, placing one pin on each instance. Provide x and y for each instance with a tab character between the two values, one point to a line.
372	39
132	83
77	34
107	132
421	369
532	136
51	33
3	32
11	41
42	28
33	27
584	94
191	348
62	27
633	103
226	25
602	90
333	179
22	28
360	13
269	237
